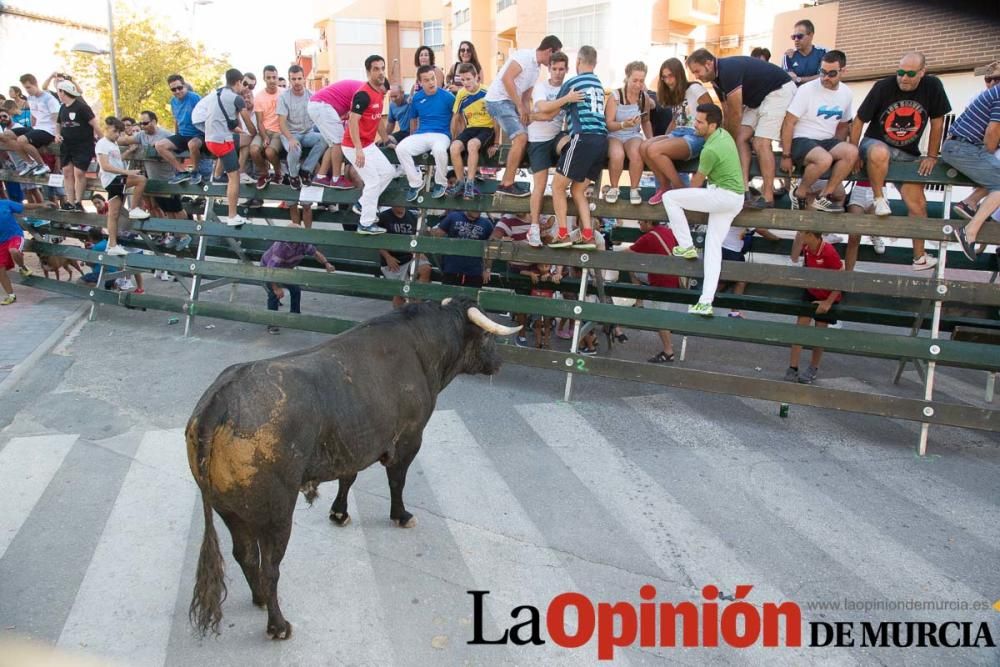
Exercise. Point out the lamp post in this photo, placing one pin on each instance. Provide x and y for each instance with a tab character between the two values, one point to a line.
86	47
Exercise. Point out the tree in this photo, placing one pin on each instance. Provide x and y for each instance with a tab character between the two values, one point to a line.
146	53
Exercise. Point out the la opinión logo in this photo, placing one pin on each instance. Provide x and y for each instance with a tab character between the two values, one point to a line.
708	624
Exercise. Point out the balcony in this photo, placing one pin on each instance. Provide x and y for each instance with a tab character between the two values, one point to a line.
696	12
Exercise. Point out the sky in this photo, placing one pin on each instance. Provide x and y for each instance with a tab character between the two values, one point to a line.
252	38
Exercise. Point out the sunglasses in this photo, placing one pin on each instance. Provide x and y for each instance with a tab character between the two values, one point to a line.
465	49
177	90
829	73
144	123
992	79
250	84
798	35
907	72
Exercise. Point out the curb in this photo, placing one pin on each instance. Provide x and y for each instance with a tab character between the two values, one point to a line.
42	349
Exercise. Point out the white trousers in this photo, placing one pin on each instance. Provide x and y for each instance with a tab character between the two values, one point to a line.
376	175
722	206
417	144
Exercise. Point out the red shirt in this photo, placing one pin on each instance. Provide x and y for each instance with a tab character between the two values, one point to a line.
649	243
367	102
825	258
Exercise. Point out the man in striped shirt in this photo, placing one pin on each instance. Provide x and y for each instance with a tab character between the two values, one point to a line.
971	148
584	157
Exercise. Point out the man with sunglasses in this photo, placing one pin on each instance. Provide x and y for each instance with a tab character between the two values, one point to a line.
150	133
898	110
186	136
814	134
803	62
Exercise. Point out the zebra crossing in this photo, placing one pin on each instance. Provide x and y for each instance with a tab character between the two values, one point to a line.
595	498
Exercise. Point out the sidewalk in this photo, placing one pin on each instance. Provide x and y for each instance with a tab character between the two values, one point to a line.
33	323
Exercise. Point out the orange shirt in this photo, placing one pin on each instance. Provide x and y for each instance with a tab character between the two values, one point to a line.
267	104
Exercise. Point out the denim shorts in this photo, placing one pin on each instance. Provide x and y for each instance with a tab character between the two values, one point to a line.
894	153
691	138
978	164
505	113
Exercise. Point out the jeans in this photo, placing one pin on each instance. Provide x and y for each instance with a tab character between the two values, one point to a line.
981	166
722	206
314	142
505	113
294	291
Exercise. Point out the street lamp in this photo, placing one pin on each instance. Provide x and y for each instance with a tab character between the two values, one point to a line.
85	47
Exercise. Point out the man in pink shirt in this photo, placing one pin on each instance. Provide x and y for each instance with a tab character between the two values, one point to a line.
266	146
329	109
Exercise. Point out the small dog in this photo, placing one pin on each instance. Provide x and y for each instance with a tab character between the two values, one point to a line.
55	263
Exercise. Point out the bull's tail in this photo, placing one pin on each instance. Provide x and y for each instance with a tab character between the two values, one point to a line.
205	612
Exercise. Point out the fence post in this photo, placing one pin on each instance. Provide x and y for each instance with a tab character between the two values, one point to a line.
199	256
935	323
576	330
421	219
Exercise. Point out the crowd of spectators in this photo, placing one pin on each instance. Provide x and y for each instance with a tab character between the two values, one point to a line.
720	111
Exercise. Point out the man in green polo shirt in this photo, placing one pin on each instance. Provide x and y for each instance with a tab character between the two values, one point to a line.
722	200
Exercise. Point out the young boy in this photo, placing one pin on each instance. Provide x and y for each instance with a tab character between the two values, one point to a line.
11	242
818	255
472	127
115	178
288	255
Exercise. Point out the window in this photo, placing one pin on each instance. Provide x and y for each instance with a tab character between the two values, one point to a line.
462	16
433	34
409	39
360	31
504	4
581	26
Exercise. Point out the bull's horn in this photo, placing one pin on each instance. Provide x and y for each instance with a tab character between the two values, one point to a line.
445	301
486	324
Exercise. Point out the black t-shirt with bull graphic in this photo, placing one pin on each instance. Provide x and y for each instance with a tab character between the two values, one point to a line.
74	121
899	118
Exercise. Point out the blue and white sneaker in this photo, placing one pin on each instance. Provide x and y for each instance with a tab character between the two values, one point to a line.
371	230
457	189
356	208
179	177
437	191
195	178
412	194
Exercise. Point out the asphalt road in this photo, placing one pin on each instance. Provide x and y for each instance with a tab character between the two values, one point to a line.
515	492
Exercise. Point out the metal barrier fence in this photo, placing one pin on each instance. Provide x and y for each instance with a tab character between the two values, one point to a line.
931	293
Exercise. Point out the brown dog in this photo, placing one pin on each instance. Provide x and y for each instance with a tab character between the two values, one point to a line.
55	263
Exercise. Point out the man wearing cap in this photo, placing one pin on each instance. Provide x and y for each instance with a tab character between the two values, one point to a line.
77	131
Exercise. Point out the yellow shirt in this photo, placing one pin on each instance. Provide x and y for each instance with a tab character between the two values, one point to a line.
474	109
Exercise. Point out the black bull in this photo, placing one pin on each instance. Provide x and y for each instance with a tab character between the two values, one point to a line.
267	429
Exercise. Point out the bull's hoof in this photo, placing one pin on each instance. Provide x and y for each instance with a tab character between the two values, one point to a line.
406	520
276	632
340	518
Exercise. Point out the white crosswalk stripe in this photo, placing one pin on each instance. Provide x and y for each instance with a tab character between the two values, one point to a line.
27	465
894	570
125	606
683	548
504	550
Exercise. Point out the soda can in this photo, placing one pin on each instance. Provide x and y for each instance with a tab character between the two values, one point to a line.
783	411
173	320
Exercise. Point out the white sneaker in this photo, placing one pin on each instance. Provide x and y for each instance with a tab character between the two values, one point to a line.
924	262
878	245
882	207
534	236
611	196
247	179
833	239
116	251
634	197
138	214
234	221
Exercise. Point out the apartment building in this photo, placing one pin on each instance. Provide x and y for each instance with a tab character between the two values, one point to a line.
647	30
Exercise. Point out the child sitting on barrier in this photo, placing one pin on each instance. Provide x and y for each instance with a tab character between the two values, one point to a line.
288	255
116	178
819	254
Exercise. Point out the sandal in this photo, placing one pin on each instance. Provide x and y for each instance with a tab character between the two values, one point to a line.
621	338
662	358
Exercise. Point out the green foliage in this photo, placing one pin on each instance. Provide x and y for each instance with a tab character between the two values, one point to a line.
146	53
